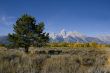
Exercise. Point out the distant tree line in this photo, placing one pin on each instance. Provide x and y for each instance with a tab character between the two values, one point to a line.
71	45
78	44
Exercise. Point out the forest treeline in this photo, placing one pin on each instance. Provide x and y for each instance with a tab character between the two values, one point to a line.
73	45
78	45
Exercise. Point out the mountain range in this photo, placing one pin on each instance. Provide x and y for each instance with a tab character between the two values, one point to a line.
64	36
4	40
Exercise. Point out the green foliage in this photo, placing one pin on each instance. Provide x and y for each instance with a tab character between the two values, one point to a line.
28	33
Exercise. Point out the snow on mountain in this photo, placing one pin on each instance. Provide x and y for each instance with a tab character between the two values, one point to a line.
104	38
64	36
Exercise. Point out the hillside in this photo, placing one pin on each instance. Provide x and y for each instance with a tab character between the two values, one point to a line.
64	36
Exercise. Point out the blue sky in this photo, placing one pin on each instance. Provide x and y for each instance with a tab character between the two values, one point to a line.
90	17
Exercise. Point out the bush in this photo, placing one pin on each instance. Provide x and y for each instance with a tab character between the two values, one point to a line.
53	52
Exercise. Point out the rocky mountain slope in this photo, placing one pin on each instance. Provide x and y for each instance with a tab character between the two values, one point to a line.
64	36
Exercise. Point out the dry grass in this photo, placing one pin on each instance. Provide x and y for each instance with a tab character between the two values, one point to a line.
68	61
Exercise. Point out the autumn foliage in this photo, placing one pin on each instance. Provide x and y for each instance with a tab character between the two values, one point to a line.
78	44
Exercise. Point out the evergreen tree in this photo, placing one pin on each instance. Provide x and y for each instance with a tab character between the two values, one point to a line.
28	33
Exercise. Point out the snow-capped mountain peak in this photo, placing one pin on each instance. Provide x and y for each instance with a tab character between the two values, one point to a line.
64	36
75	34
63	32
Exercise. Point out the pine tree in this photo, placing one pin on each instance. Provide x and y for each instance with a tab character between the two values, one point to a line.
28	33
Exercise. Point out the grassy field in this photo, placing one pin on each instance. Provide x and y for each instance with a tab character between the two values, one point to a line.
55	60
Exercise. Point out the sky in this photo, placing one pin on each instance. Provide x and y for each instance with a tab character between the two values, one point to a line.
90	17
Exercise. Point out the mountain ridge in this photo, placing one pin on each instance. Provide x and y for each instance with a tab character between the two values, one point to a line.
70	36
64	36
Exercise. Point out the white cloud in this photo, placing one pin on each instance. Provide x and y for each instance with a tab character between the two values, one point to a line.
6	20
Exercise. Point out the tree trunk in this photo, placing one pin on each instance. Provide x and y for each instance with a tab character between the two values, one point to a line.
26	49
